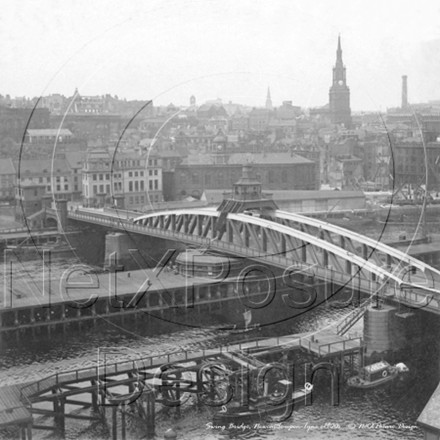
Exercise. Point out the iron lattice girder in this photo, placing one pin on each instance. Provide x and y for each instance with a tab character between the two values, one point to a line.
375	247
303	234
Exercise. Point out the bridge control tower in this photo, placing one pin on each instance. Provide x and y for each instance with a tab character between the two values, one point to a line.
247	195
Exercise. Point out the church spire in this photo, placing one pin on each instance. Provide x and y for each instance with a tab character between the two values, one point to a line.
339	51
339	92
269	100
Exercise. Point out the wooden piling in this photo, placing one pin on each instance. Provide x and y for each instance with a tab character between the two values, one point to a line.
114	423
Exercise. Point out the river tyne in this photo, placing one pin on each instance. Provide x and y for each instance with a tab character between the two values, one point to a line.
387	412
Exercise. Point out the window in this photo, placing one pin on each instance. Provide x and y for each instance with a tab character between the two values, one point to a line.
107	189
58	180
75	179
141	173
150	172
66	187
136	200
130	200
195	178
35	193
115	185
130	174
101	188
220	179
130	186
155	172
156	184
95	189
142	199
136	186
150	184
142	185
101	177
48	188
270	176
183	178
58	187
207	179
94	176
107	177
136	174
40	180
75	171
76	187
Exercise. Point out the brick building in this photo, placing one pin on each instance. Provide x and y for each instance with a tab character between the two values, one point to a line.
273	170
7	180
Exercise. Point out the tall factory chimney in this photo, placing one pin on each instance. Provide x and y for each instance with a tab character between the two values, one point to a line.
404	91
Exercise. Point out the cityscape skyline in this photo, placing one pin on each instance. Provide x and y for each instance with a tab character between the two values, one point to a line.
168	52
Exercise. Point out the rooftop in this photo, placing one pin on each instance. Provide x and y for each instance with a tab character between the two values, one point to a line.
7	166
51	132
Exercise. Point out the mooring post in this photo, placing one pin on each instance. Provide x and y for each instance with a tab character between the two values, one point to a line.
123	409
342	363
29	431
114	423
151	412
94	396
62	419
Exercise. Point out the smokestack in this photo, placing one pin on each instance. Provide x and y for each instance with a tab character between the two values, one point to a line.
404	91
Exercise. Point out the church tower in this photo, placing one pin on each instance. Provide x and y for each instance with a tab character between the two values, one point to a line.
340	112
269	100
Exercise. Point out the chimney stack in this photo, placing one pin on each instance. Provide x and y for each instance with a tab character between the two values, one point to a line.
404	91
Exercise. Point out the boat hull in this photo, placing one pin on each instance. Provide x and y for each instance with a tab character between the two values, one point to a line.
358	382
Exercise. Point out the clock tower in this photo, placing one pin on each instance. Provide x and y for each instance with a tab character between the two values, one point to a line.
340	112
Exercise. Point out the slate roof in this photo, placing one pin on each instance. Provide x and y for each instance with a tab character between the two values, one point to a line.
48	132
7	166
269	158
40	166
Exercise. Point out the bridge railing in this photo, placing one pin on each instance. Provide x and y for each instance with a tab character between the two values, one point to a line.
357	283
327	348
122	366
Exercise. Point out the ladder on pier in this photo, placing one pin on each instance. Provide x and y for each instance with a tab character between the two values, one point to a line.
351	319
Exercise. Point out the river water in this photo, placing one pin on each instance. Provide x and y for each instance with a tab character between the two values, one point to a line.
387	412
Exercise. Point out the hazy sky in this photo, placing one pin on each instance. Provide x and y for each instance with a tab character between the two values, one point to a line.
229	49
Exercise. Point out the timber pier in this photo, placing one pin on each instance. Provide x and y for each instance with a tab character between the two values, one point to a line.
133	388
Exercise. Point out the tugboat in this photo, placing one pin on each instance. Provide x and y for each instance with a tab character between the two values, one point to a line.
376	374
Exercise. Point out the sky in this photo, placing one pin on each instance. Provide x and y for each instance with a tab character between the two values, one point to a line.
228	49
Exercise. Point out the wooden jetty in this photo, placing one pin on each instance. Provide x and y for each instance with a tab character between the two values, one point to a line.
132	388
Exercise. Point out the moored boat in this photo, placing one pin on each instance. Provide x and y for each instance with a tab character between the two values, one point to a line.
376	374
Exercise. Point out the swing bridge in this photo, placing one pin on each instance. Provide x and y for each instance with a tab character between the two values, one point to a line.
294	242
